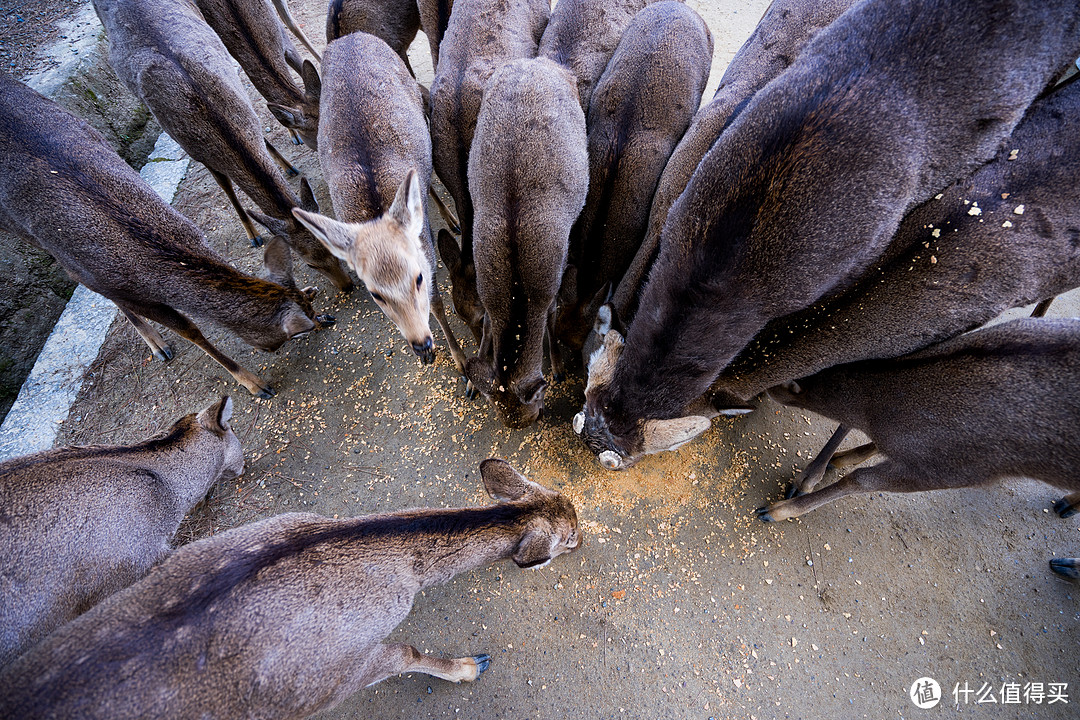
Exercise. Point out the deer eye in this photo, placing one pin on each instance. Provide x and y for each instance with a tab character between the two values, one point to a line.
419	280
377	297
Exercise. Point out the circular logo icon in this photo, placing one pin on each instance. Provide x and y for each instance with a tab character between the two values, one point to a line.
925	693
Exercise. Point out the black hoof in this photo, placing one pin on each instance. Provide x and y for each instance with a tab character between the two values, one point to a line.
266	393
456	229
297	140
292	172
1066	568
558	377
792	491
482	663
165	354
210	493
470	391
258	241
1064	509
325	320
763	514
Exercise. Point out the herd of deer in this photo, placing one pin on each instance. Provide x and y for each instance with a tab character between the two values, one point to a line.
872	180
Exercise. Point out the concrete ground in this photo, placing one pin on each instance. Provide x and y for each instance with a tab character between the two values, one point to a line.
680	604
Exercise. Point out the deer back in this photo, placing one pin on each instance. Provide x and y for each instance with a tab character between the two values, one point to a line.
529	176
641	107
964	257
279	618
809	183
84	522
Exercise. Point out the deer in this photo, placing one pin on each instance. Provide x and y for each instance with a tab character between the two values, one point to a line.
987	405
529	174
169	57
377	163
806	187
956	262
66	191
255	37
85	522
642	105
282	7
785	28
482	35
395	22
283	617
582	36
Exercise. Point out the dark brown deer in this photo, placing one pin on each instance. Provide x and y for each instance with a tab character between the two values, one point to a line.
254	35
482	36
808	184
377	162
992	404
283	617
642	105
170	58
779	37
529	174
65	190
956	262
84	522
395	22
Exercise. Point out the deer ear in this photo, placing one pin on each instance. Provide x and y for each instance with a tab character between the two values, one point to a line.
661	435
408	205
502	481
275	226
312	82
290	117
449	250
602	361
216	417
534	550
277	260
296	322
533	393
480	374
307	196
336	236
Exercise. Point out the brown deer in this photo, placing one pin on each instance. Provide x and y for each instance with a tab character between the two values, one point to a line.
85	522
992	404
482	35
283	617
65	190
395	21
956	262
529	174
254	35
377	162
785	28
582	36
169	57
807	186
642	105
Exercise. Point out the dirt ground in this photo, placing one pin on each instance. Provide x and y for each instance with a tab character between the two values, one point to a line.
680	604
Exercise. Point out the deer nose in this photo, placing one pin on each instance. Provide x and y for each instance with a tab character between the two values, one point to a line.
425	350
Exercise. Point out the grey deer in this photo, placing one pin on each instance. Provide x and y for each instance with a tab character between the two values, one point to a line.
377	161
170	58
65	190
992	404
482	36
395	21
642	105
1005	237
807	186
85	522
284	617
529	175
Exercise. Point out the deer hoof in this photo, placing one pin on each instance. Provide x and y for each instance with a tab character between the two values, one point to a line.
292	172
1064	509
164	354
792	491
325	321
763	514
258	241
265	393
1068	568
558	377
482	662
470	390
456	229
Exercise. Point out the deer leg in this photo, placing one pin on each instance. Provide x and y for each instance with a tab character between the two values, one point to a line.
558	370
815	471
1041	308
276	154
151	336
888	476
286	17
483	351
1068	506
390	660
447	215
245	220
439	309
854	456
1068	568
179	324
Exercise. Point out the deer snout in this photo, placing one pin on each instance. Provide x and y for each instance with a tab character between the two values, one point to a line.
425	350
